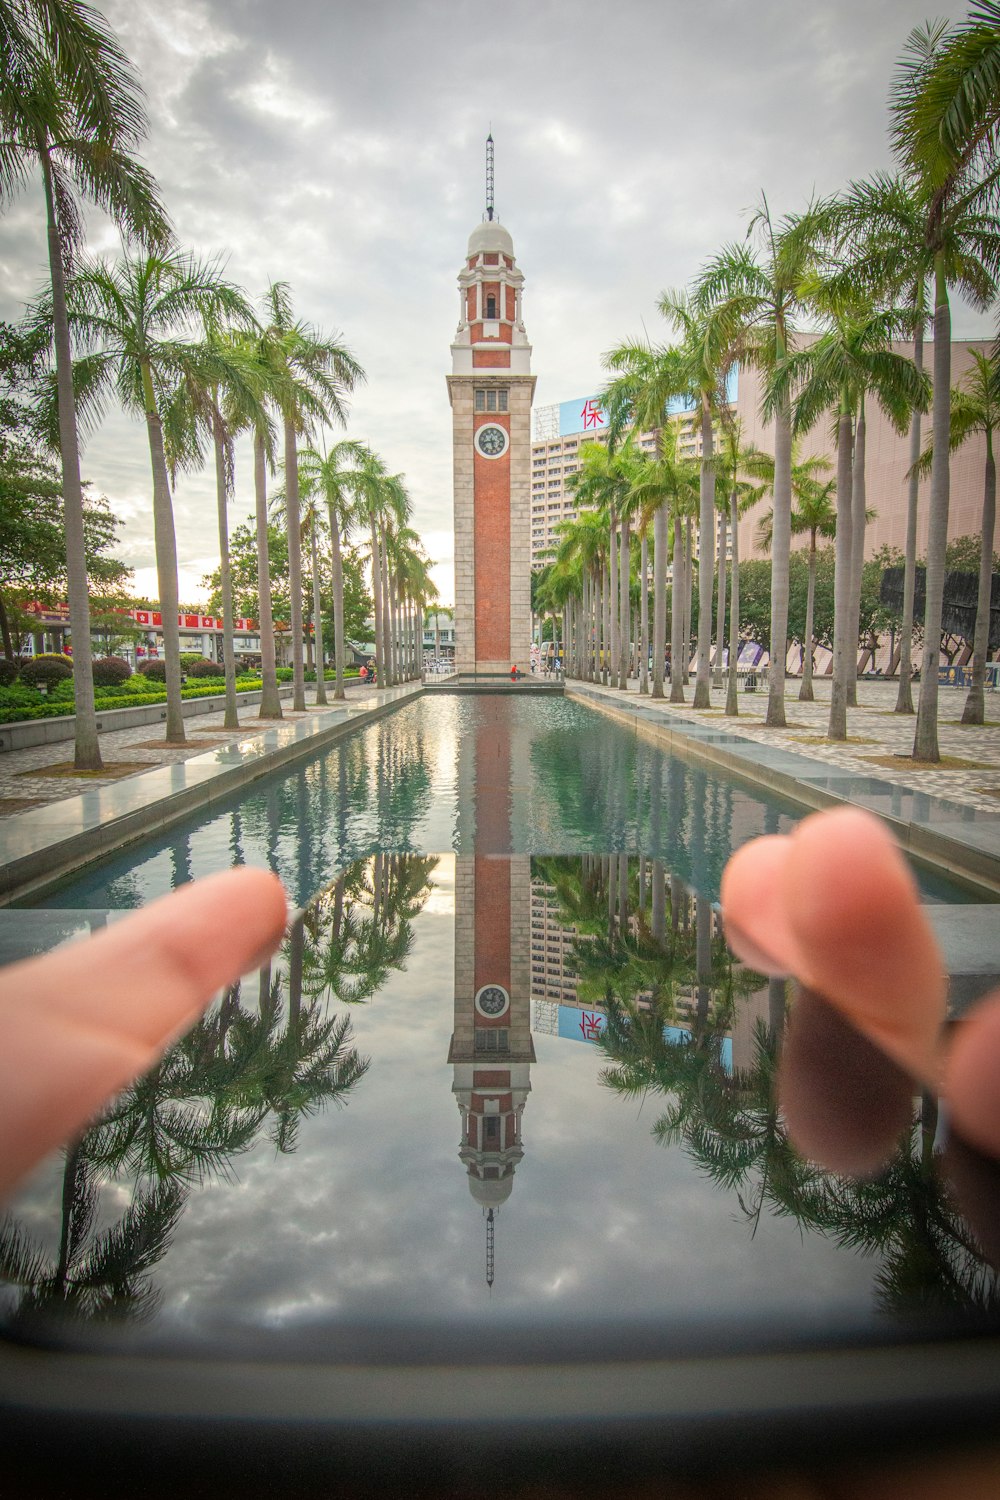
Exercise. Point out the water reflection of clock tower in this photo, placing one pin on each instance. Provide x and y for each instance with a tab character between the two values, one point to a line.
491	388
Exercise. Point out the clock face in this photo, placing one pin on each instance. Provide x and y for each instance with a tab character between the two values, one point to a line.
492	1000
491	441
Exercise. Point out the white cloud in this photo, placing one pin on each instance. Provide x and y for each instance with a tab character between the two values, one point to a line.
340	148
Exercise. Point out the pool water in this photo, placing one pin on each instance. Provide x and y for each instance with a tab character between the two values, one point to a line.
504	1073
503	1090
494	774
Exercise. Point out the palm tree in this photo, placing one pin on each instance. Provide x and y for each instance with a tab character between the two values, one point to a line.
707	355
333	475
878	230
219	395
70	104
816	514
946	114
758	296
732	460
975	407
603	483
852	359
130	318
666	488
319	370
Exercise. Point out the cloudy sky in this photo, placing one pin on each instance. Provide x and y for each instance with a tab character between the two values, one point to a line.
340	147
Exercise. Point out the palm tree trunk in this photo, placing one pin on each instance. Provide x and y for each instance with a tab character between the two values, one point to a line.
294	525
659	597
806	694
677	597
975	705
858	507
615	609
339	647
377	598
270	701
165	542
625	581
688	596
925	743
842	577
732	680
387	641
606	626
8	645
904	698
317	614
781	535
232	718
87	751
720	609
706	560
644	612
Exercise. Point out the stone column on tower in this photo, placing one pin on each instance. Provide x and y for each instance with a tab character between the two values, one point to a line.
491	389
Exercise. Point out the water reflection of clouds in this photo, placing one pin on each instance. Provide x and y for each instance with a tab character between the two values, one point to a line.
372	1216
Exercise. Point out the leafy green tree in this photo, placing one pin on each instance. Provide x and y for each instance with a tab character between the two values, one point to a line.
70	106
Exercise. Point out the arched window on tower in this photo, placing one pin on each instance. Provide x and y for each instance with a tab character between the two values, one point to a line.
491	307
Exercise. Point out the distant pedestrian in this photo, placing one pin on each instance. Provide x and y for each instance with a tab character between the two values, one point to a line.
363	674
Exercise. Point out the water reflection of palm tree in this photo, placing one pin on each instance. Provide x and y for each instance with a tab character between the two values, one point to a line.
96	1273
359	929
240	1071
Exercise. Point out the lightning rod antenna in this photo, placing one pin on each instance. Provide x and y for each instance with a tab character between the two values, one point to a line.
489	175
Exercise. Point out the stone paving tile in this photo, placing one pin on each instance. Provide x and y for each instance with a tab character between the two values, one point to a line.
17	785
874	721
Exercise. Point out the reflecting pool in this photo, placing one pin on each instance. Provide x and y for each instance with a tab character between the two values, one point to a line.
492	774
507	1089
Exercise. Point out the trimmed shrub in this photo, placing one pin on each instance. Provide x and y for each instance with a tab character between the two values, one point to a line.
8	671
202	667
49	669
188	658
110	671
284	674
155	668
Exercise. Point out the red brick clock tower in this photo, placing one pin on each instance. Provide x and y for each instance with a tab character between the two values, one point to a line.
491	388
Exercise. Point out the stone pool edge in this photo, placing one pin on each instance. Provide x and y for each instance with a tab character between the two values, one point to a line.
52	842
949	853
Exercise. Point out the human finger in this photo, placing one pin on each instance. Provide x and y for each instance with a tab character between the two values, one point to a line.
835	904
78	1024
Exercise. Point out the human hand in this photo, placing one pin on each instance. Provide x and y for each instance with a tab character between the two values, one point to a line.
79	1024
835	905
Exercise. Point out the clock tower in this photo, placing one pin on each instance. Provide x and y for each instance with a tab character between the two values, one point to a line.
491	387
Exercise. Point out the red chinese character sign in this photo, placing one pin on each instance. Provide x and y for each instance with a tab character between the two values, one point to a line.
592	415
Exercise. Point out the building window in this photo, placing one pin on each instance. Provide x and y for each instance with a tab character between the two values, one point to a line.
491	1130
492	1039
492	400
491	307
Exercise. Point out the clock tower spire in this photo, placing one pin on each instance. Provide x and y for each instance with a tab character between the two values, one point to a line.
491	388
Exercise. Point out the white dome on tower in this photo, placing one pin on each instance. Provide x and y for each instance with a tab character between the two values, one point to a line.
490	235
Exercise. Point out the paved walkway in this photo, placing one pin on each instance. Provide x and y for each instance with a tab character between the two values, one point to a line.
23	783
876	734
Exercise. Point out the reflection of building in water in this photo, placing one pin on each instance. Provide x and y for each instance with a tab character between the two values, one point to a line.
637	915
491	1048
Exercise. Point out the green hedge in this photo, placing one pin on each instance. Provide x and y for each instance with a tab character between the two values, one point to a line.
19	704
